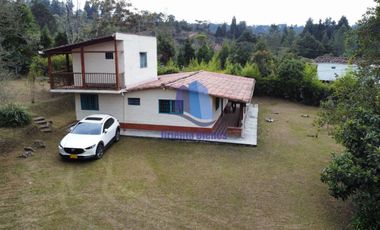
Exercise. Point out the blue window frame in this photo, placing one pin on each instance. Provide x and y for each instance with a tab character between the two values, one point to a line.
143	60
170	106
89	101
133	101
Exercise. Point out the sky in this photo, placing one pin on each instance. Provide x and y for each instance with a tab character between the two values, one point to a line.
258	12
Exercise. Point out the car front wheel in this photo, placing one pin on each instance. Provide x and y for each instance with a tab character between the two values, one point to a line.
99	151
117	135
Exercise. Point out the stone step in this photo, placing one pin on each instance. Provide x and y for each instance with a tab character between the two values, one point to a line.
44	126
40	122
38	118
46	130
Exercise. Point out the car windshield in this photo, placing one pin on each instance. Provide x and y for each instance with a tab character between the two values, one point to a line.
87	128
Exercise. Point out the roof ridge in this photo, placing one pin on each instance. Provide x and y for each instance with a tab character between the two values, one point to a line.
181	78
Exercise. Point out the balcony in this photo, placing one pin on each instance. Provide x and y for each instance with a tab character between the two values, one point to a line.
94	81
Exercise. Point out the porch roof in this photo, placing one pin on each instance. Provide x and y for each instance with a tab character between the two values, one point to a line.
68	48
216	84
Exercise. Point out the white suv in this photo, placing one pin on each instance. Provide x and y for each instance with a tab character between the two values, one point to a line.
90	137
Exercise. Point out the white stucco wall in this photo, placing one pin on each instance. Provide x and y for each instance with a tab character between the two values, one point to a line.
111	104
133	45
129	47
97	63
147	112
330	71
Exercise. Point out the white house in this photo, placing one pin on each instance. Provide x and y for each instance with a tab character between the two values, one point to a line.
117	75
329	68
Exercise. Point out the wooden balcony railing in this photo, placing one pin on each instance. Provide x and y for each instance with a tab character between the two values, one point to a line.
70	80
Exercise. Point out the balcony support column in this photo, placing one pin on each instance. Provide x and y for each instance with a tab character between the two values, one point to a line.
49	73
83	67
116	65
67	63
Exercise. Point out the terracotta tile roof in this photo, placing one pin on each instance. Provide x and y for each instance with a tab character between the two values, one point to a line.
219	85
331	59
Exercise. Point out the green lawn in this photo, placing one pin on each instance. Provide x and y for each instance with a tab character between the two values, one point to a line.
158	184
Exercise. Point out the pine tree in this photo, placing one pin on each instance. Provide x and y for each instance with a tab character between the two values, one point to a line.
60	39
233	28
45	39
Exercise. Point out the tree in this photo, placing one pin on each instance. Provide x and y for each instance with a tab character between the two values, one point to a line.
338	42
291	69
204	53
43	16
247	36
223	55
5	76
343	22
218	32
45	39
90	10
19	35
186	53
274	38
165	49
241	27
57	7
233	28
35	71
60	39
354	112
264	59
241	52
308	46
288	36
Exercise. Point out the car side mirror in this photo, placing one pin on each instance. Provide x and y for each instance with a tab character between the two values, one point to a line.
105	130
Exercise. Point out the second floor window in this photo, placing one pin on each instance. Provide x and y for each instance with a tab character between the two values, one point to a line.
109	55
143	60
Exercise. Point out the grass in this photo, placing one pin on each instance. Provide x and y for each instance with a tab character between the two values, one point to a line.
155	184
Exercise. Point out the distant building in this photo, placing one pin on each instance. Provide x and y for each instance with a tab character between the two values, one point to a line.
330	67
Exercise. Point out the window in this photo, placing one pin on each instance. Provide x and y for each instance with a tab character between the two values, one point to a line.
143	60
217	103
170	106
89	102
87	128
108	124
133	101
109	55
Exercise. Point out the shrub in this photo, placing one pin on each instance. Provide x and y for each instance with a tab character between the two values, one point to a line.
250	70
169	68
12	115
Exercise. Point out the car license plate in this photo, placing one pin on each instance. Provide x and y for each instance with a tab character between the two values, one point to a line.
73	156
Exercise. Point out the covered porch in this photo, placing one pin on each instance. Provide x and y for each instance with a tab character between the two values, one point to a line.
83	77
232	119
248	131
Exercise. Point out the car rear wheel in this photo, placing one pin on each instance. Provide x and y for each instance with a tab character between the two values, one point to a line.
99	151
117	135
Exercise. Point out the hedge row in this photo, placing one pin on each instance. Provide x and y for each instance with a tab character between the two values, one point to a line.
310	92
